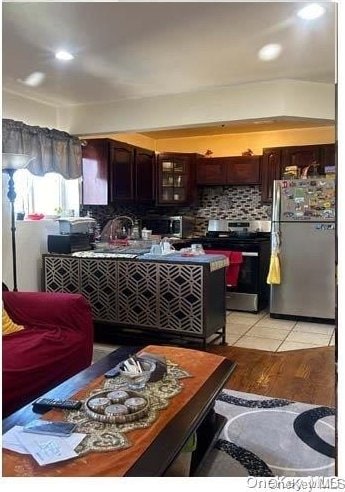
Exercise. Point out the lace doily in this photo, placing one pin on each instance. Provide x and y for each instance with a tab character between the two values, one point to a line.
102	436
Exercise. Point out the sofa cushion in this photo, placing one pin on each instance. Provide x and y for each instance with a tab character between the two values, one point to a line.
9	326
56	343
37	358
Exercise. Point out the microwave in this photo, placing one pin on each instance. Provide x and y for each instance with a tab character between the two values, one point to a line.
180	226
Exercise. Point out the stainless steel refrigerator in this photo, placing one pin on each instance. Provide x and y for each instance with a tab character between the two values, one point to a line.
303	216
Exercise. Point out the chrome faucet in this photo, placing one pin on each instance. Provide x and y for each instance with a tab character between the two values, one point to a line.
124	217
117	223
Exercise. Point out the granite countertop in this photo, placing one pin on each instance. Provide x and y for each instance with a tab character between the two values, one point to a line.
214	261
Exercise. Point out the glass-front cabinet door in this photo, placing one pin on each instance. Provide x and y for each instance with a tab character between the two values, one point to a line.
175	178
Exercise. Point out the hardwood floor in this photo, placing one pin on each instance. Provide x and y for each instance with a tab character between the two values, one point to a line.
307	376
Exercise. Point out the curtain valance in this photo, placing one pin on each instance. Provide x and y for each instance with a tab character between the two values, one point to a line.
53	150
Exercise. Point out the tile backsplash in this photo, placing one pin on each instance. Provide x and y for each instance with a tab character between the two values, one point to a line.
230	202
222	202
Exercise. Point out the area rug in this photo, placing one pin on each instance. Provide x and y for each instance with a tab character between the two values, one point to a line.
269	437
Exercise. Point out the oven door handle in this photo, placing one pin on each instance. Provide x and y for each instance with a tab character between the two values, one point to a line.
244	253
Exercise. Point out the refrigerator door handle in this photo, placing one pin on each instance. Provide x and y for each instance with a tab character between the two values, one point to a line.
276	201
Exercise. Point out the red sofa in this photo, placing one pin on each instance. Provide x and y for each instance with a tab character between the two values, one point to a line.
56	343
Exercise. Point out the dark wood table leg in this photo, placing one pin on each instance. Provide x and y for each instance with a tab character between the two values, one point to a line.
207	435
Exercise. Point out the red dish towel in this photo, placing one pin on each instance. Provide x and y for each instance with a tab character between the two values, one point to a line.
235	261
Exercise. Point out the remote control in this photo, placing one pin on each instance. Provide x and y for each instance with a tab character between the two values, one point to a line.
45	404
113	372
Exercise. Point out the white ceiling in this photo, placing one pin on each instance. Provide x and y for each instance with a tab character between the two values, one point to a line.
243	126
135	50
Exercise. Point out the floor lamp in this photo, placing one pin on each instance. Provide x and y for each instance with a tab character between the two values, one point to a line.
10	164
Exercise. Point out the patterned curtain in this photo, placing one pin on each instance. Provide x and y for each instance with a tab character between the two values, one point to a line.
53	150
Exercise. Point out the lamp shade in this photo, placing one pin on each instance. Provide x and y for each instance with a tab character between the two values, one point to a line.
15	161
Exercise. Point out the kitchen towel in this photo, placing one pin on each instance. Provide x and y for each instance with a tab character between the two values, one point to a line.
274	271
273	276
233	270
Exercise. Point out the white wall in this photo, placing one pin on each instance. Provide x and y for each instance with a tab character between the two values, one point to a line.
31	112
241	102
32	241
272	99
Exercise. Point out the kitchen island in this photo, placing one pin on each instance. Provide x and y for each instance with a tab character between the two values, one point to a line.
170	294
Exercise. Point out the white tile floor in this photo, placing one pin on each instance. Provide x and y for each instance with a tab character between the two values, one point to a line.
259	331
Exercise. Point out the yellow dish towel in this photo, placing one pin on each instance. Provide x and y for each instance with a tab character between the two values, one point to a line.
273	276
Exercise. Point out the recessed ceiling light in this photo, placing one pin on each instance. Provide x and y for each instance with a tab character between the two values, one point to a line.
263	122
34	79
64	55
310	12
270	52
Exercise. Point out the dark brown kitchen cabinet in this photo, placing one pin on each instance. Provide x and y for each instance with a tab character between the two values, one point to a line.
328	155
235	170
117	171
301	156
145	180
270	170
242	170
95	172
211	171
276	159
176	179
121	171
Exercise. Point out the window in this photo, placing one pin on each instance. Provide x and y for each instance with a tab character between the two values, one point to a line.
50	194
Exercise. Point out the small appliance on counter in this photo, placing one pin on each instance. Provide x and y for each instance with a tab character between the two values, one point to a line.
68	243
76	225
178	226
75	235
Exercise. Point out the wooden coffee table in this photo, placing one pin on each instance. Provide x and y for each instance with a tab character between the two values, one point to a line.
196	414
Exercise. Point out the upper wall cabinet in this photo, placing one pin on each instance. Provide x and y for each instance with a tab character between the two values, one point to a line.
275	160
145	179
243	170
270	170
236	170
121	171
328	156
211	170
117	171
95	172
176	179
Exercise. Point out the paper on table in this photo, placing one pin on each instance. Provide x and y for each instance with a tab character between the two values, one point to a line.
45	449
10	441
